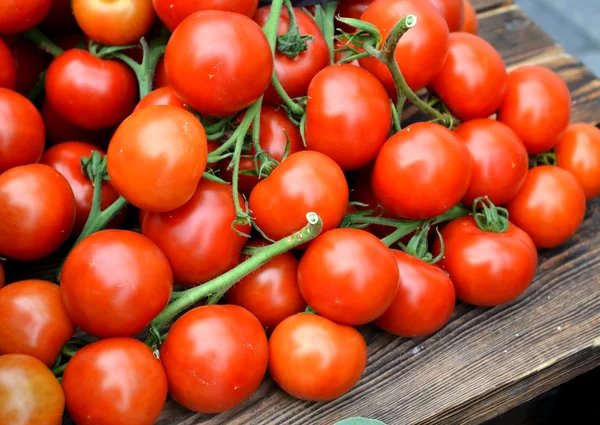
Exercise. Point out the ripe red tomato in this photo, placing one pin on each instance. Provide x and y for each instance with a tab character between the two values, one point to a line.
8	69
537	106
114	22
295	74
499	159
16	17
237	64
351	9
578	152
470	24
235	337
172	12
115	381
357	271
421	172
21	133
453	12
315	359
157	156
90	92
29	392
473	80
29	63
310	182
197	238
550	206
160	74
34	320
37	211
271	292
115	282
487	268
161	96
348	115
66	159
426	44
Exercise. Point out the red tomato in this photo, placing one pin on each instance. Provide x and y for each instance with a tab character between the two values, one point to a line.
16	17
550	206
189	355
160	74
161	96
29	392
424	302
470	25
115	381
473	80
114	22
348	115
8	69
29	63
499	159
60	18
237	63
421	172
453	12
115	282
157	156
348	276
315	359
310	182
34	320
271	292
172	12
37	211
351	9
295	74
426	44
537	106
21	133
578	151
197	238
487	268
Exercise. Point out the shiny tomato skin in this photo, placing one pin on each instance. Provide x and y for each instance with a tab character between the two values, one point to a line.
470	25
29	393
499	159
37	212
115	381
228	333
34	320
537	106
353	134
197	238
171	169
351	9
236	63
295	74
161	96
16	17
90	92
473	80
172	12
540	207
308	180
421	172
22	134
453	12
271	292
313	358
426	44
115	282
348	276
578	152
486	268
8	68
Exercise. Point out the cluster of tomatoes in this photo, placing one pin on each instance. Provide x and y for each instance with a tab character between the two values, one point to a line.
266	156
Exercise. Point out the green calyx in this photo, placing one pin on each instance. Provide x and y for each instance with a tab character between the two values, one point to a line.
292	43
490	218
95	167
418	246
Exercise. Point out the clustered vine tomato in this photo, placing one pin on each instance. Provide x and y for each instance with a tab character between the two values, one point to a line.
8	68
470	24
453	12
161	96
351	9
18	17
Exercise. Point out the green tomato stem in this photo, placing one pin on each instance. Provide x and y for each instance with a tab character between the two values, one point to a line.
289	102
325	18
42	42
145	71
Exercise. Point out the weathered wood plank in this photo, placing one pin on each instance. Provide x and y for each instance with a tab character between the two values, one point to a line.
483	5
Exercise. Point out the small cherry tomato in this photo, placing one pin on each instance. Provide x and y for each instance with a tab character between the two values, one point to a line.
499	159
16	17
235	337
160	96
197	238
578	152
37	211
453	12
310	182
351	9
115	381
8	68
421	172
470	25
348	276
550	206
344	123
29	393
115	282
157	156
537	106
225	75
315	359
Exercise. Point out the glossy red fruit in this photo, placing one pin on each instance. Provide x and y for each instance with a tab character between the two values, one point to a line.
16	17
471	24
160	96
453	12
160	74
8	68
29	63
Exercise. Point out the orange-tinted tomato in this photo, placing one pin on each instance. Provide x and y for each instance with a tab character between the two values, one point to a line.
161	96
21	15
470	25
